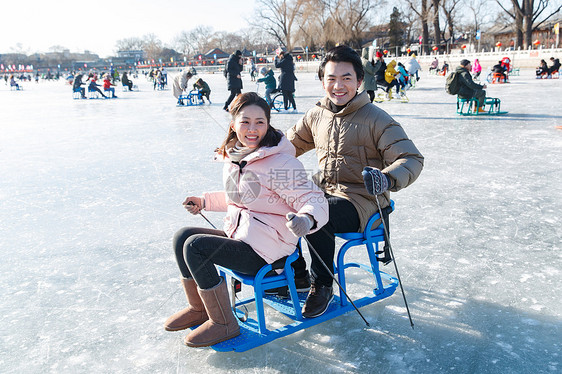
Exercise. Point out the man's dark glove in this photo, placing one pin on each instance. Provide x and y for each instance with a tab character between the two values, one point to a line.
375	181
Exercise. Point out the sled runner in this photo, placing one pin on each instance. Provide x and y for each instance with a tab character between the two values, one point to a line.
254	331
194	97
401	97
469	107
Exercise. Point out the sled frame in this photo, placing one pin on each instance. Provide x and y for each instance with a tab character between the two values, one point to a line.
254	332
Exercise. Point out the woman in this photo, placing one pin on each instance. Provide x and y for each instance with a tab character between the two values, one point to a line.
287	79
107	86
542	69
93	86
269	203
476	69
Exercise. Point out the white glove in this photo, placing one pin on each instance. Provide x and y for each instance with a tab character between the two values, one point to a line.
194	204
299	224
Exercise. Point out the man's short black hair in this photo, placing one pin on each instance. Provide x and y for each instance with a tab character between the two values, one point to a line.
464	62
342	53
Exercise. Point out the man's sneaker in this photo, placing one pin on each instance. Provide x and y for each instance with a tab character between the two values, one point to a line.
302	284
318	300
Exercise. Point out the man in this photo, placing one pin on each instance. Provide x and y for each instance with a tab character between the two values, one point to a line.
468	89
349	134
555	65
234	79
77	85
501	70
180	83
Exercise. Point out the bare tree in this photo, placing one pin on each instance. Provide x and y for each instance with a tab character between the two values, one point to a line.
410	20
253	39
422	10
278	18
477	7
526	14
351	16
228	42
194	41
449	7
152	46
436	26
129	44
316	26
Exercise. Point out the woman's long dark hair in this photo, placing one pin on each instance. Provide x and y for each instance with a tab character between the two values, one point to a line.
272	136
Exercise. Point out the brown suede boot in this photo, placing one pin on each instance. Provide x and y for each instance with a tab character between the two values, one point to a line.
193	315
222	324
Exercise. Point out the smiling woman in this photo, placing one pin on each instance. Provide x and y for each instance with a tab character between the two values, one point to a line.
79	28
264	219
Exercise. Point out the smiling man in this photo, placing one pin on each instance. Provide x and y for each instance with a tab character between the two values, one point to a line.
349	134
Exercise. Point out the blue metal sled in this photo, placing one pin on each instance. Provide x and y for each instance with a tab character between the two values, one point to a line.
193	98
468	107
253	331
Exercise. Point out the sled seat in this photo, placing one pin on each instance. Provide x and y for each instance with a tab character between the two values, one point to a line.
499	78
515	72
371	238
263	280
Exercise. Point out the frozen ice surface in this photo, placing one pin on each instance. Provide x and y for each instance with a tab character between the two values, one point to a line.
90	197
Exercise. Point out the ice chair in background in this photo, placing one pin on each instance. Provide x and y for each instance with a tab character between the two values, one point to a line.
194	97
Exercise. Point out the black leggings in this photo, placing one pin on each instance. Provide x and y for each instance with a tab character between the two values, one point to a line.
97	89
288	98
343	218
198	249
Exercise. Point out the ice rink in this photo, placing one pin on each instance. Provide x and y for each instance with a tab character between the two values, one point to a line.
90	197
